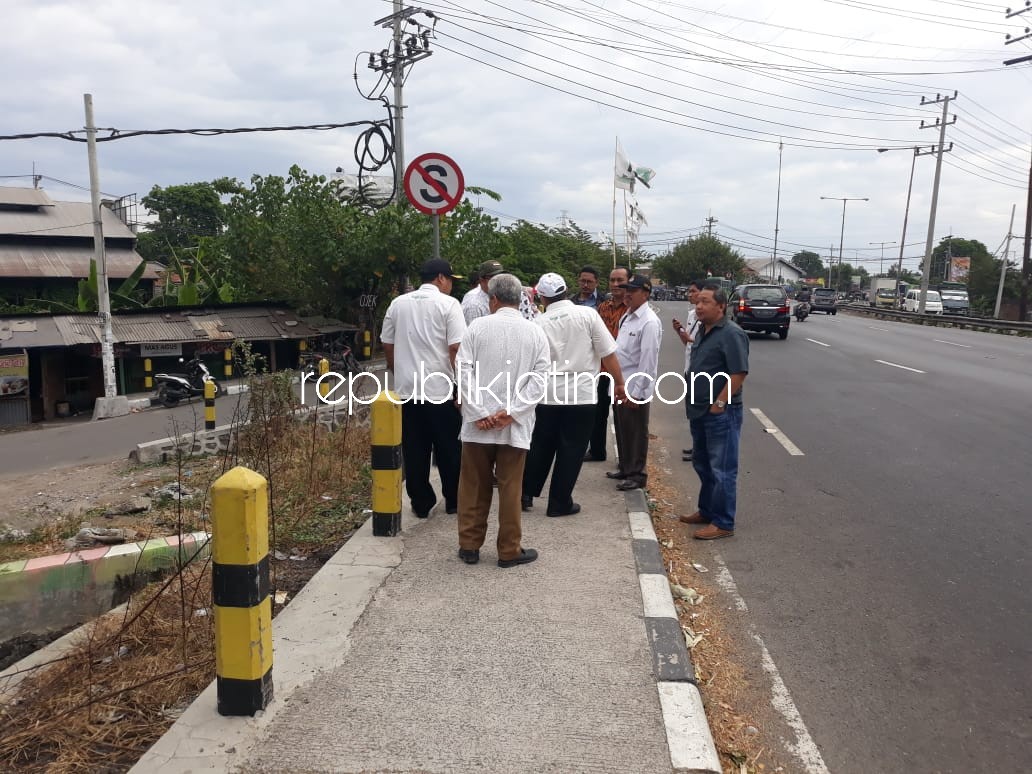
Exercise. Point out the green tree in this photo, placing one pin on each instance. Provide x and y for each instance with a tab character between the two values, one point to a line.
983	276
696	258
186	214
810	263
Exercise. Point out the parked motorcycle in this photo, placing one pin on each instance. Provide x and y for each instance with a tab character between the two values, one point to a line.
802	310
341	361
173	388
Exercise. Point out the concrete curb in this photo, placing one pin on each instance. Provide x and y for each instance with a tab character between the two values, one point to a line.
688	732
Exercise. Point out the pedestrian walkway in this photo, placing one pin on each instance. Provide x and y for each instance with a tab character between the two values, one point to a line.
410	660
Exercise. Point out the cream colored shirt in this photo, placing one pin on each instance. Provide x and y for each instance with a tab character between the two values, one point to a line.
502	365
637	349
577	340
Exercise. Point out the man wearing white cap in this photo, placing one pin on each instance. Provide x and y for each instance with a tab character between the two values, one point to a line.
578	341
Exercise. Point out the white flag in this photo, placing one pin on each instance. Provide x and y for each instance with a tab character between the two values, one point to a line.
623	170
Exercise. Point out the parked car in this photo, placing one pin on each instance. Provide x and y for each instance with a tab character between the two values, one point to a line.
933	302
762	308
824	300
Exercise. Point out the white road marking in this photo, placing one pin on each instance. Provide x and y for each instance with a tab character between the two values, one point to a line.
873	328
952	343
897	365
804	747
771	428
819	342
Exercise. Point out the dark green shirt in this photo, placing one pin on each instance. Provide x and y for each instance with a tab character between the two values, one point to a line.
725	349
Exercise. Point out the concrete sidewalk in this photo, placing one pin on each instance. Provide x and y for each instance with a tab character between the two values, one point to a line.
399	657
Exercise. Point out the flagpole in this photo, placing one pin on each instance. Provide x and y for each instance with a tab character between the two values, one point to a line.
626	236
616	149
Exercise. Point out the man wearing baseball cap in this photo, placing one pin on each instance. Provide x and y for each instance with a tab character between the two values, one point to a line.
577	341
475	303
637	348
421	334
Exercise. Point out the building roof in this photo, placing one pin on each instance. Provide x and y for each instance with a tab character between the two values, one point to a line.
60	219
762	265
24	197
67	261
245	323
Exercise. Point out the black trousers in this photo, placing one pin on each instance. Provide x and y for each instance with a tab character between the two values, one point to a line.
560	434
632	440
427	428
597	447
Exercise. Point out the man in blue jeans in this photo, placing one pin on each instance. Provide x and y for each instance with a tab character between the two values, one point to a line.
720	363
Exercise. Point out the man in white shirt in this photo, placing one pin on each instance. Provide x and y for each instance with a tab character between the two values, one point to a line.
578	342
637	349
475	302
502	366
421	335
687	331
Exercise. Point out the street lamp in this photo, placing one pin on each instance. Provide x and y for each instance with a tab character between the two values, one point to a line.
842	233
906	214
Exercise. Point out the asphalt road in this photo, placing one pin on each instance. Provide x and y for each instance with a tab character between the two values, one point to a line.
888	568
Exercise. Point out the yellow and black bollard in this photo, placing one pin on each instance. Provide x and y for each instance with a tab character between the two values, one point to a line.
324	385
302	347
209	405
385	435
240	592
227	356
148	374
367	344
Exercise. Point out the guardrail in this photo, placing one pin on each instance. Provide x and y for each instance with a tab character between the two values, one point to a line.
983	324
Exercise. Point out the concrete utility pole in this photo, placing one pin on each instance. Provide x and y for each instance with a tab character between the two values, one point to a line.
842	232
709	225
1003	266
1026	261
109	405
941	124
397	78
881	264
777	215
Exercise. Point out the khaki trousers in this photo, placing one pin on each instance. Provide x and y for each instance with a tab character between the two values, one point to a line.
481	464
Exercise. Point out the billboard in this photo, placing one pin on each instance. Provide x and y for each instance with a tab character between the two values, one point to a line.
14	374
958	269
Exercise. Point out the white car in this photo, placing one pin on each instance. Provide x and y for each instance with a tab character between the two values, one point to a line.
933	302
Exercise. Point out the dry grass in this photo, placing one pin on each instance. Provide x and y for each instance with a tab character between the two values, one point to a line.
100	707
738	731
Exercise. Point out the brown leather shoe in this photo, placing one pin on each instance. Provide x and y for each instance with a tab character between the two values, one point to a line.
712	532
695	518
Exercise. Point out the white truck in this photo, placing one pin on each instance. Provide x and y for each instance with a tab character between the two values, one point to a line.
882	293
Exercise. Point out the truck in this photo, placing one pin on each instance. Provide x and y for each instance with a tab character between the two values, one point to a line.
882	293
954	298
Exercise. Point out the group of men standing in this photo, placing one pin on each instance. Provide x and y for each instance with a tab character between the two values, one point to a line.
546	408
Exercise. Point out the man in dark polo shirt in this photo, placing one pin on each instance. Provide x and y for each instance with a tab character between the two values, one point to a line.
720	357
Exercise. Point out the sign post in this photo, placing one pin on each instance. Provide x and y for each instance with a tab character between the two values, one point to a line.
434	185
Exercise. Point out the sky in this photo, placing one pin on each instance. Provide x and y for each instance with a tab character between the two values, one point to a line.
530	96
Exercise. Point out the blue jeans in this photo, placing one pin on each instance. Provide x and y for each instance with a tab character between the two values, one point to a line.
715	439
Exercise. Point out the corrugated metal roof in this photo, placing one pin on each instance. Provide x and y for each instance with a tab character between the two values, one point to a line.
153	328
78	329
63	219
67	261
29	333
21	196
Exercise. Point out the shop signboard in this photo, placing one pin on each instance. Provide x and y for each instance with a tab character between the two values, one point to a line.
165	349
14	375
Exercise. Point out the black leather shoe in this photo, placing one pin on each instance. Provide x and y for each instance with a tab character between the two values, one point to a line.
589	457
575	508
469	555
451	510
526	556
686	451
615	474
526	503
687	456
628	484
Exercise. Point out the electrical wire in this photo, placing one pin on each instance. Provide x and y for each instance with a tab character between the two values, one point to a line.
120	134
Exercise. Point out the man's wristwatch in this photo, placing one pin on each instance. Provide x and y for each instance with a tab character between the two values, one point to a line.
720	404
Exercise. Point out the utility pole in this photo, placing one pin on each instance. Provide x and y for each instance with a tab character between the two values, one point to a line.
1003	266
842	232
404	52
881	265
941	125
106	407
777	215
1026	261
709	225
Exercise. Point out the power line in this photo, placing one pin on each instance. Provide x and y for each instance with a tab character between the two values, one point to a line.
120	134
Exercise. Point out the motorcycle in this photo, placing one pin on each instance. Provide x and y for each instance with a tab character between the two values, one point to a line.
341	362
802	310
173	388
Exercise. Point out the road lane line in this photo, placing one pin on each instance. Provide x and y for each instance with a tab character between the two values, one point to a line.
952	343
803	747
771	428
897	365
819	342
873	328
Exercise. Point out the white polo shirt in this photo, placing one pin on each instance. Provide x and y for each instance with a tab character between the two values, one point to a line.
421	325
637	349
577	340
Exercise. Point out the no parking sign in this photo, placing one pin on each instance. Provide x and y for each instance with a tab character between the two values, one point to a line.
434	183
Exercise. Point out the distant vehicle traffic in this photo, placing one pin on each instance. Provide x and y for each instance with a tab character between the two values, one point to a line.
882	293
954	298
760	308
824	300
933	301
